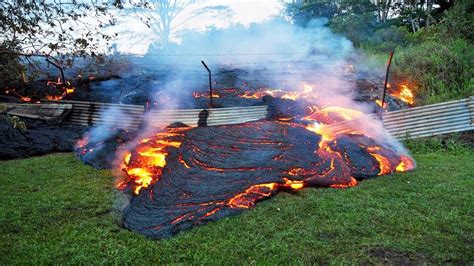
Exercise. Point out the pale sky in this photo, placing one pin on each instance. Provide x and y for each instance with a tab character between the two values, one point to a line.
134	37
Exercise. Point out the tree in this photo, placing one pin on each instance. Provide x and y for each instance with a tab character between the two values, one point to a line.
48	29
160	15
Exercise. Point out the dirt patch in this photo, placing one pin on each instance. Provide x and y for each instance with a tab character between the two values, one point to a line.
397	257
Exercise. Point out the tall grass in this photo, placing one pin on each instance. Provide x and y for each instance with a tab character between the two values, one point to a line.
442	69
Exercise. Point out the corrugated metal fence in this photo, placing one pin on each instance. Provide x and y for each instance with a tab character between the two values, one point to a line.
431	120
422	121
95	113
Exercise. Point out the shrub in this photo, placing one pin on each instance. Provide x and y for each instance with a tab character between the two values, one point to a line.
15	122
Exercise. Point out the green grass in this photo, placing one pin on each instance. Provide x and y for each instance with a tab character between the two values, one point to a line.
54	209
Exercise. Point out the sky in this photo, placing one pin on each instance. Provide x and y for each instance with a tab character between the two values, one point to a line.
134	37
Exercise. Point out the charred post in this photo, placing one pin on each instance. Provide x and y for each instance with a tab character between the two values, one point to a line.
210	83
386	78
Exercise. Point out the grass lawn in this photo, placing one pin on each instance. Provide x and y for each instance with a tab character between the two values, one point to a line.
54	209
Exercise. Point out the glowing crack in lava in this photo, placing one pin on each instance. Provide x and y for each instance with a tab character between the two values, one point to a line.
185	177
205	95
306	91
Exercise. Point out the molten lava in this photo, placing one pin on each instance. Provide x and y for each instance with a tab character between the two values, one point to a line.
144	166
205	95
306	91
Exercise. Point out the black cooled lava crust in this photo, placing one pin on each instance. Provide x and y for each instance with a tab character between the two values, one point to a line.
220	171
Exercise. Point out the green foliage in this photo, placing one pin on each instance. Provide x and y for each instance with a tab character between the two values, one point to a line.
440	58
388	38
436	60
433	41
33	29
443	145
443	70
10	65
56	210
15	122
456	23
356	27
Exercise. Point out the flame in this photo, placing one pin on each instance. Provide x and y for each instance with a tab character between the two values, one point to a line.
22	98
70	90
379	103
81	143
384	164
250	95
327	135
65	88
126	158
144	165
353	183
405	94
322	118
54	97
290	96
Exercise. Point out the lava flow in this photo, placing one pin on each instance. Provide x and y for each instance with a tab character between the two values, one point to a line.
181	177
185	177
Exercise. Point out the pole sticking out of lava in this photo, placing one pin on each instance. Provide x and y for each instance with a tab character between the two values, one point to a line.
210	83
386	78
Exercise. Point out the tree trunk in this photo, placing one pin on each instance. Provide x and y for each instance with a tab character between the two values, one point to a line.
429	6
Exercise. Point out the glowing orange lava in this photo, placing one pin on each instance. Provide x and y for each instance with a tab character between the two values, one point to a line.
205	95
333	114
144	166
305	92
247	198
406	164
384	164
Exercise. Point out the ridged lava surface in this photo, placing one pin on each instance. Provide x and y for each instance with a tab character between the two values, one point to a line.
220	171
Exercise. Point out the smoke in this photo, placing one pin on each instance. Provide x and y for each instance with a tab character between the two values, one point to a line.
275	54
